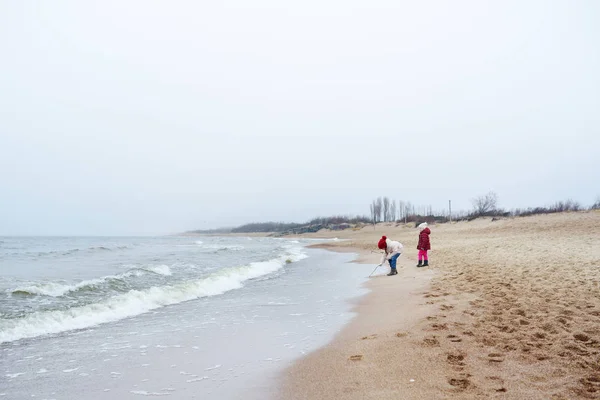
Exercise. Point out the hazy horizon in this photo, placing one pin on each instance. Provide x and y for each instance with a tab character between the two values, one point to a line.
142	118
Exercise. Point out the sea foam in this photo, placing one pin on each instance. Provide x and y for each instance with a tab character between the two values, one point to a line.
137	302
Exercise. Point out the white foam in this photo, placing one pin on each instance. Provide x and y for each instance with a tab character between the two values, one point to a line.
54	289
159	269
144	393
199	242
11	376
42	371
221	247
137	302
211	368
197	379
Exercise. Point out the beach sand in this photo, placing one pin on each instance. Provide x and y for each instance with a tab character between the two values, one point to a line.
508	309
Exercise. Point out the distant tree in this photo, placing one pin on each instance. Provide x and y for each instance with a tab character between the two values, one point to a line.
400	209
376	210
409	209
485	204
393	211
379	209
386	209
568	205
596	205
372	209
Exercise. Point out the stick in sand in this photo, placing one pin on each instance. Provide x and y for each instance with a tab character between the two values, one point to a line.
374	270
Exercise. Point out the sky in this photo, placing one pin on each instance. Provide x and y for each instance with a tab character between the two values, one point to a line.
156	117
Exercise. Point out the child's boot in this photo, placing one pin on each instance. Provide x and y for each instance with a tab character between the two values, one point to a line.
420	264
393	272
426	263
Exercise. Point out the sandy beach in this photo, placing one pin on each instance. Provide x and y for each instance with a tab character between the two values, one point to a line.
508	309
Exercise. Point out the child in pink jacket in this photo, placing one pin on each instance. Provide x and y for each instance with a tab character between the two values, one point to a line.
424	245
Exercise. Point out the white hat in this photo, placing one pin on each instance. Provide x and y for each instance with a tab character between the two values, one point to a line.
423	225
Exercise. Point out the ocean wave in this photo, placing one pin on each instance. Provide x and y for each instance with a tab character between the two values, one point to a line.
54	289
158	269
137	302
71	251
223	247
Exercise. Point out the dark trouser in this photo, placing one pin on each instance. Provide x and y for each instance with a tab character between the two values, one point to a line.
392	261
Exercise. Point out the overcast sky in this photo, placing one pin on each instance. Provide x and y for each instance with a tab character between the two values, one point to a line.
152	117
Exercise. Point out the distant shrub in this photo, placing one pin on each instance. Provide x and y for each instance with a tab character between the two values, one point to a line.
559	206
483	205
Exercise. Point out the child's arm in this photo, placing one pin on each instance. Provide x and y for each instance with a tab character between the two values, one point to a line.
383	258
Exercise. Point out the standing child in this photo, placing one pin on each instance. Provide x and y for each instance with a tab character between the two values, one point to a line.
393	249
423	245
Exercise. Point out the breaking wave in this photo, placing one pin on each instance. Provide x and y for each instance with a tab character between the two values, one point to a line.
55	289
135	302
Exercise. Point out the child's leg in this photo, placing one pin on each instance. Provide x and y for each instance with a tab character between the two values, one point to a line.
421	255
425	255
393	260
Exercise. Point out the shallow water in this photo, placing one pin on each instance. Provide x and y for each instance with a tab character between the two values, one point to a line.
251	314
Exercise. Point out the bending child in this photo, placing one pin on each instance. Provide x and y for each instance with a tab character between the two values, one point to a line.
393	249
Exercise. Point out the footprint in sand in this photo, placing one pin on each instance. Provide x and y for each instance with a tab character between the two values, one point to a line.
401	334
456	358
499	381
454	338
373	336
431	341
582	337
357	357
439	327
591	383
595	313
460	383
495	357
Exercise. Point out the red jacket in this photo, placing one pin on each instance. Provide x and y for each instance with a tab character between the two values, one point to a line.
424	240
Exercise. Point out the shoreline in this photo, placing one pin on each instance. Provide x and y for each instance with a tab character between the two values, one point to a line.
507	309
355	363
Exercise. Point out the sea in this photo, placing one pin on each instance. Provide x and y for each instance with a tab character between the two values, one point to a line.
174	316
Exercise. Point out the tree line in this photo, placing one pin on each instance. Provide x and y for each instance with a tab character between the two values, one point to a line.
384	209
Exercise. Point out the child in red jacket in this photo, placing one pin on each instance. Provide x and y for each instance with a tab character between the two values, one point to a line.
423	245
